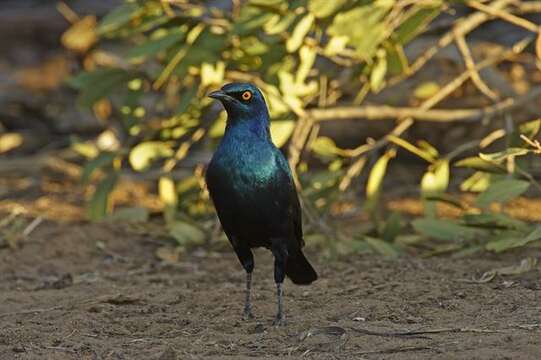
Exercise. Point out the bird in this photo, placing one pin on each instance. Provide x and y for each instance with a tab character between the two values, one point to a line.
251	185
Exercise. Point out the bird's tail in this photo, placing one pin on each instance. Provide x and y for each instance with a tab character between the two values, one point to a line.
299	270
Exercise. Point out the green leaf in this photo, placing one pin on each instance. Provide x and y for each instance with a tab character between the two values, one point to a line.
154	45
130	214
392	227
270	5
98	84
325	8
477	163
144	153
530	128
397	62
510	240
364	26
381	247
279	24
186	233
445	229
119	17
415	23
186	98
502	191
503	155
281	131
445	198
299	33
251	18
98	205
103	159
493	221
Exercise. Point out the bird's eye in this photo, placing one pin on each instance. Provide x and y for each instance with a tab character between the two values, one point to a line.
247	95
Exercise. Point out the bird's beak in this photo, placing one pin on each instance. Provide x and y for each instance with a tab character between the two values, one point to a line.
218	95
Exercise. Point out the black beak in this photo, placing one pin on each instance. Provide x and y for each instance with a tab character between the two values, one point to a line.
218	95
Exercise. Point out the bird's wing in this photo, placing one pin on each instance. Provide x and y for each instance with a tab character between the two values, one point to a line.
288	192
224	201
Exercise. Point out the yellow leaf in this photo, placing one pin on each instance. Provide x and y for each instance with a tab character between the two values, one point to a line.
378	72
144	153
377	174
212	74
10	141
324	146
281	131
81	35
308	56
167	191
336	45
436	179
426	90
299	33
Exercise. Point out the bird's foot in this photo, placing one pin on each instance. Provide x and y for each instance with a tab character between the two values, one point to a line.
279	320
247	314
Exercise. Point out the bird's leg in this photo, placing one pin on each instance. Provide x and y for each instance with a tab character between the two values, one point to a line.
279	251
280	319
247	260
247	304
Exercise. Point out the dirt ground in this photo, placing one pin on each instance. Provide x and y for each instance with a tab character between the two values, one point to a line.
64	297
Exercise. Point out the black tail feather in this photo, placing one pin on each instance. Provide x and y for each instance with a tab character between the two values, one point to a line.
299	270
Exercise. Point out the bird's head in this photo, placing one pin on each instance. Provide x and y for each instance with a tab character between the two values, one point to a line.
242	101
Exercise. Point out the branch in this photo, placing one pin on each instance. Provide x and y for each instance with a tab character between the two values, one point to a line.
462	27
404	125
513	19
380	112
470	65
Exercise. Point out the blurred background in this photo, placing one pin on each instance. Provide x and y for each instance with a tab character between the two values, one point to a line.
412	130
410	125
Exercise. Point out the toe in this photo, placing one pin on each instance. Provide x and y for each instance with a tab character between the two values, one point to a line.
247	315
279	321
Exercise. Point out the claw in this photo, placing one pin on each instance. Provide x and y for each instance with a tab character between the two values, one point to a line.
247	314
279	321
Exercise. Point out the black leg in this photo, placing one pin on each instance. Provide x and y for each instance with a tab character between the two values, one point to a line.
248	304
280	255
246	258
280	319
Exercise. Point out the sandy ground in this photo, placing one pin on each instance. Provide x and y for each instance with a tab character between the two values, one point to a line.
63	297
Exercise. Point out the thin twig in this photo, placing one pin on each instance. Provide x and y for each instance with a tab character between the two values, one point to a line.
470	65
424	332
31	311
513	19
462	27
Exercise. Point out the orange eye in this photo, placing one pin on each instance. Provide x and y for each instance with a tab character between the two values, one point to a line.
246	95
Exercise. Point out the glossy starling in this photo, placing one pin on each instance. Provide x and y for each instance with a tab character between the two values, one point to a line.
250	183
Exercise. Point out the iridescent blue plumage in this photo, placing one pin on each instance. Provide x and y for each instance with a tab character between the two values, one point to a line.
250	183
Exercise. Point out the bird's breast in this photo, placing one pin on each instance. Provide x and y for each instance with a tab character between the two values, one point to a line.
245	164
